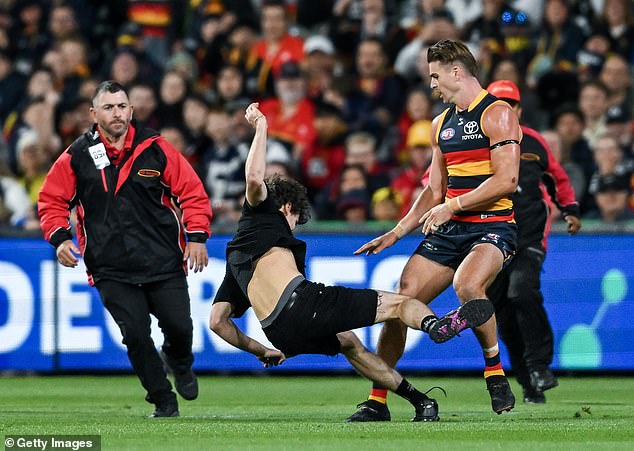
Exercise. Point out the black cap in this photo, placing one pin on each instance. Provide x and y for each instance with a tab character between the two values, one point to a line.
353	199
290	69
617	114
609	183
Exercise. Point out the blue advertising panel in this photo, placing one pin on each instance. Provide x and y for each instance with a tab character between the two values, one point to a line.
51	319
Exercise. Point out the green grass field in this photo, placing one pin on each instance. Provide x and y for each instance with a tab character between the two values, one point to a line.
301	413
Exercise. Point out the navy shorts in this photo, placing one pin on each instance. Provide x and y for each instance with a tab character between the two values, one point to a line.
311	320
451	243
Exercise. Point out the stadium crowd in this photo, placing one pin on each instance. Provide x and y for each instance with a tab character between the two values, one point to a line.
344	85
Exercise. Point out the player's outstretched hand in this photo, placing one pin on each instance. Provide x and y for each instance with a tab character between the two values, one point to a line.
253	114
378	244
272	357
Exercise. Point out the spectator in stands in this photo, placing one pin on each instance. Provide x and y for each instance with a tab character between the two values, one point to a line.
352	178
11	86
318	65
569	124
221	33
230	85
616	75
74	58
410	180
618	22
347	33
385	91
87	88
558	42
184	64
322	161
130	39
290	115
143	99
500	30
439	25
68	124
507	69
33	163
125	68
172	94
27	36
222	163
160	24
275	48
353	206
591	57
361	150
572	169
417	108
278	161
610	185
15	205
195	115
175	137
36	114
62	22
593	103
386	205
619	124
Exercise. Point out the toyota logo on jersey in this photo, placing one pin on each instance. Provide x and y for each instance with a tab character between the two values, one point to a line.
447	134
471	127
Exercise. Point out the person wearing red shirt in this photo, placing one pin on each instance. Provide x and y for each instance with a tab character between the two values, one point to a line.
291	115
275	48
409	182
322	162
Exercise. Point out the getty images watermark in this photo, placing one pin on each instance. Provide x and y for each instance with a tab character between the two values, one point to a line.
56	442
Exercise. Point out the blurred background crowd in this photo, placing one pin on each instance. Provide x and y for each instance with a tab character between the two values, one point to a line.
344	85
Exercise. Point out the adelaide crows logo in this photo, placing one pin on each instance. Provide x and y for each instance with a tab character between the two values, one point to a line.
447	134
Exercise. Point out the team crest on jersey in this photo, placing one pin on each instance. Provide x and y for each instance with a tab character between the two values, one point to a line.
447	133
149	173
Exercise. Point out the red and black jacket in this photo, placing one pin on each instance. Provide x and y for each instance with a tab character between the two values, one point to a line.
129	221
538	170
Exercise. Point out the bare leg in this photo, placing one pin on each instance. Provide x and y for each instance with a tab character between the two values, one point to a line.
379	372
422	279
368	364
474	276
477	271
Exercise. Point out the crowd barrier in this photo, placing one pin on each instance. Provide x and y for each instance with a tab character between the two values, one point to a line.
51	320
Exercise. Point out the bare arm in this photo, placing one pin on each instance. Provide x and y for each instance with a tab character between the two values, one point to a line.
221	323
256	160
431	195
500	124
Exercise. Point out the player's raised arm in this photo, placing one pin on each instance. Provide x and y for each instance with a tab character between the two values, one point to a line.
256	160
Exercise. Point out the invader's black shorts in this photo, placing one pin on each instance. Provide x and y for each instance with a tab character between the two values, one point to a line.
314	314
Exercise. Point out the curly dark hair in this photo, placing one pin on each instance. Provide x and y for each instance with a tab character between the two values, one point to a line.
284	190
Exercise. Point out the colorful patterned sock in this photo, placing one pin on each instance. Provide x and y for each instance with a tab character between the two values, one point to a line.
493	366
378	394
